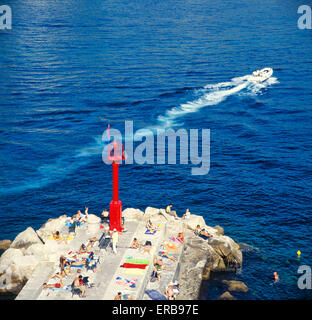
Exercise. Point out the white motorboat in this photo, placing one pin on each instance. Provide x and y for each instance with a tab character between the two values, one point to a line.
261	75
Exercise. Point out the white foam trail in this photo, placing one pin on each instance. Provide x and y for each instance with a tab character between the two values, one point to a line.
60	169
213	94
210	94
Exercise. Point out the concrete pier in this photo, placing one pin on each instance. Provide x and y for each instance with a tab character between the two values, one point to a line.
105	279
193	260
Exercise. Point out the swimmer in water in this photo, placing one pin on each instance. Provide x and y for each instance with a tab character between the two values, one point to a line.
276	277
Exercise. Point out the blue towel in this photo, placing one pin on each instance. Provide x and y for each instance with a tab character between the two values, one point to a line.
204	237
64	288
78	266
148	232
155	295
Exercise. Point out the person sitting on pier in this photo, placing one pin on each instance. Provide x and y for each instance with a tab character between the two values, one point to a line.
78	286
86	213
118	297
202	232
180	237
84	280
105	216
62	262
58	237
156	272
135	244
76	220
169	293
172	291
187	214
176	288
79	217
92	242
147	247
150	226
171	212
82	249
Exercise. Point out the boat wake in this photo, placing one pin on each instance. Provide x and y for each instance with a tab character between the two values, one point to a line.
213	94
209	95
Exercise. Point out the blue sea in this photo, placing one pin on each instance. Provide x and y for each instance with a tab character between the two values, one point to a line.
70	68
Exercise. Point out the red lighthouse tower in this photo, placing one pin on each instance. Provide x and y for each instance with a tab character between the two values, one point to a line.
115	154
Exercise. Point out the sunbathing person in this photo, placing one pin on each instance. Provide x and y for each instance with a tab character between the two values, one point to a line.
176	288
135	244
118	297
82	249
58	237
83	280
62	262
172	291
79	286
59	275
54	285
105	216
79	217
165	254
92	242
202	232
160	265
180	237
169	293
171	212
86	213
156	272
66	264
147	247
150	226
187	214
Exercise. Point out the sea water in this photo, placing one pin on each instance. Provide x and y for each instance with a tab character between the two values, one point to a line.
68	69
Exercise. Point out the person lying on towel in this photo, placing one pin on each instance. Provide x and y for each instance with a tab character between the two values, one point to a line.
158	262
202	232
54	285
165	254
92	242
180	237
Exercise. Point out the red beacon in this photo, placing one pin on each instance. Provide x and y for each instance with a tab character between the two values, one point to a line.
116	155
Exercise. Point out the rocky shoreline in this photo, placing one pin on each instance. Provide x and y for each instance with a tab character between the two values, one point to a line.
200	257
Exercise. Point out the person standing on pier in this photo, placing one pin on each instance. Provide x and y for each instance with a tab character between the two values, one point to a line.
114	237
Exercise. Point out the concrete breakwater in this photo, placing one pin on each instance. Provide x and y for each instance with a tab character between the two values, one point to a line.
33	257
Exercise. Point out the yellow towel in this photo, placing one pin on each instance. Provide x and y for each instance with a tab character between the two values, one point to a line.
134	271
